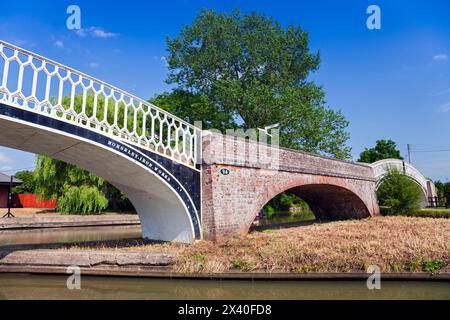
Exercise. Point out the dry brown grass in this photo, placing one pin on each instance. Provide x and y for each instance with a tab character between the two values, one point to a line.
125	245
395	244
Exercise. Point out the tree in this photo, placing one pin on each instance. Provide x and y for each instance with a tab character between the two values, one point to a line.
443	189
77	191
447	190
439	187
27	186
246	71
384	149
399	193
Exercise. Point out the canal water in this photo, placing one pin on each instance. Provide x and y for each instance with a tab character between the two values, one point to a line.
54	287
22	286
68	235
103	233
284	217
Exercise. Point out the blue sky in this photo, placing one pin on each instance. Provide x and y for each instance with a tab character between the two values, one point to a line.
392	83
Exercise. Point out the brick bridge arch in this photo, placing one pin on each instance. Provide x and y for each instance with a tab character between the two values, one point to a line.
326	200
237	182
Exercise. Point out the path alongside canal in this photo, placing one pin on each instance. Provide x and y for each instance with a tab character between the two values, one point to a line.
59	221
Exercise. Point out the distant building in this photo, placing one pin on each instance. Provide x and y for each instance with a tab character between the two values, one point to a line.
4	188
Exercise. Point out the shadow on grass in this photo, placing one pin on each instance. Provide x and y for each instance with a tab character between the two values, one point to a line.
284	225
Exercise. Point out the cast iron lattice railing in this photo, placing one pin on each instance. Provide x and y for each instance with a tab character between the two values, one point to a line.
37	84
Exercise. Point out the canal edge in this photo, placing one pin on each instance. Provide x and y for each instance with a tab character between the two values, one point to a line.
166	272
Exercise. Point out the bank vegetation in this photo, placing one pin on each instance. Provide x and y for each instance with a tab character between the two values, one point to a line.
394	244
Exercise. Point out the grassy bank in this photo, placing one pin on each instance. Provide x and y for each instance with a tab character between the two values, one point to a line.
395	244
420	213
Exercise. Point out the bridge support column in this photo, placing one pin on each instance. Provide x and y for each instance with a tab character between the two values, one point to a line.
162	218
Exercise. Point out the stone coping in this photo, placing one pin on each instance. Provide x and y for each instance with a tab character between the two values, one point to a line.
82	258
67	221
166	272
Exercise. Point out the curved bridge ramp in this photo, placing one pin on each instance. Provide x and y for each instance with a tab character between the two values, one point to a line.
383	167
149	154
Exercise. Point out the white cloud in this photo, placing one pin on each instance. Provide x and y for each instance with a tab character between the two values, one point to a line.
164	59
4	158
6	168
161	58
98	33
440	93
440	57
445	108
95	32
21	42
59	44
94	65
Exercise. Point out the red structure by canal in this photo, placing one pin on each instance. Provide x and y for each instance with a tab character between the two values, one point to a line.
21	200
33	201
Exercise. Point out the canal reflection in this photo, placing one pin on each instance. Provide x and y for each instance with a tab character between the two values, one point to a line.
54	287
68	235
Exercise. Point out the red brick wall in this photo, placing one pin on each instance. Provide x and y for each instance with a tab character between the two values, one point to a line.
334	189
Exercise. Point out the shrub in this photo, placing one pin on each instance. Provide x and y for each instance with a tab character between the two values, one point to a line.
399	193
433	266
270	211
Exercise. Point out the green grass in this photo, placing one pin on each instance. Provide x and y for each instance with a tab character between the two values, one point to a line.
420	213
433	266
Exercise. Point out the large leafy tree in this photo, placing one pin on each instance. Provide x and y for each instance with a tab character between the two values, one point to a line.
247	71
384	149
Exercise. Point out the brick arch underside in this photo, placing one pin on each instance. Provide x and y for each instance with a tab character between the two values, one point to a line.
329	198
330	202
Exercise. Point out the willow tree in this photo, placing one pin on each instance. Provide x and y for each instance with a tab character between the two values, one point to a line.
78	191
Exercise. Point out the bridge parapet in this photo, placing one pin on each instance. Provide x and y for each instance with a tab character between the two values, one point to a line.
33	83
237	151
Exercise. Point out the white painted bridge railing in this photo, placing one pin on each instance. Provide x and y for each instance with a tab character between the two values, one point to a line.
382	167
37	84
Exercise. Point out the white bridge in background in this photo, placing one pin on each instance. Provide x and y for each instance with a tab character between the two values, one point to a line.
383	167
